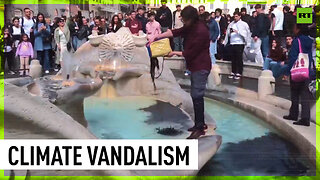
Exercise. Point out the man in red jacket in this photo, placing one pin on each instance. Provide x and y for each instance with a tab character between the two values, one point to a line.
197	56
134	24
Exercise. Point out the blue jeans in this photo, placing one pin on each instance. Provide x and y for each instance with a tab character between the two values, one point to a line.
43	57
75	42
265	47
213	51
178	43
198	86
276	67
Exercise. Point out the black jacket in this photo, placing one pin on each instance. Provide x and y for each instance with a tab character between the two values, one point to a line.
288	23
143	21
83	32
72	25
167	20
115	29
262	26
223	26
246	18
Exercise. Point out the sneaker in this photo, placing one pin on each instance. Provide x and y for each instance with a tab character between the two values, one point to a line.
231	76
56	69
196	134
47	72
11	73
21	73
186	73
27	73
205	127
236	77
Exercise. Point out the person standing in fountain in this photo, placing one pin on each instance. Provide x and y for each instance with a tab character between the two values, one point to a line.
196	53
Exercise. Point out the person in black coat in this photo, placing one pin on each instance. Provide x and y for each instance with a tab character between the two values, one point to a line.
115	24
164	17
7	51
289	21
244	16
140	16
223	24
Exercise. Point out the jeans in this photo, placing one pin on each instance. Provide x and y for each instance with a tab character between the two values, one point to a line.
75	41
300	92
236	52
80	42
276	67
198	86
265	47
164	29
213	51
43	57
178	43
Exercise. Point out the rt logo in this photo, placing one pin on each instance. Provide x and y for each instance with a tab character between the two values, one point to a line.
304	15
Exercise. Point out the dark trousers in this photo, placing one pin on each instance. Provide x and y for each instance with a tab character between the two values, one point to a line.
7	56
300	92
236	52
43	57
198	86
279	36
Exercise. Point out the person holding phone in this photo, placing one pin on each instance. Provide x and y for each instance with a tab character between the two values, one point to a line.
238	34
42	43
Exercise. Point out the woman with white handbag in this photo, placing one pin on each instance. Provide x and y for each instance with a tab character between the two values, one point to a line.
301	68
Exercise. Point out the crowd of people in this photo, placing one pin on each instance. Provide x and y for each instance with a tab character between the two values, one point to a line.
199	36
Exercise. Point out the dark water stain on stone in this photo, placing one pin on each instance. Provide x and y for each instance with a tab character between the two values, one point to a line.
269	155
166	112
169	131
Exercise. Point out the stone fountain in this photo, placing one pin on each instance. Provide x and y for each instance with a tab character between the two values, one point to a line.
53	105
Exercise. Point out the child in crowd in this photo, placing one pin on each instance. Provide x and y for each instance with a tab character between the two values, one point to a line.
24	50
153	27
7	51
276	59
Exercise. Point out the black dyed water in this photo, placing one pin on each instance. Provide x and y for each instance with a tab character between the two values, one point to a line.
250	147
263	156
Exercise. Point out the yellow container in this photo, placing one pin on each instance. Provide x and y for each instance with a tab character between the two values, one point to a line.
160	48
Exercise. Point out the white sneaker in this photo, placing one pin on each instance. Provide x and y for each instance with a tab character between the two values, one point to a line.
47	72
239	75
21	73
231	76
56	69
236	77
27	73
11	73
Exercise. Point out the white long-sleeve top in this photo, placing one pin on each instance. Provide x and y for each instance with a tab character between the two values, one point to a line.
241	37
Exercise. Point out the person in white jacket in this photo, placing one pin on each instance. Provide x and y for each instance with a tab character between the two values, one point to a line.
238	36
